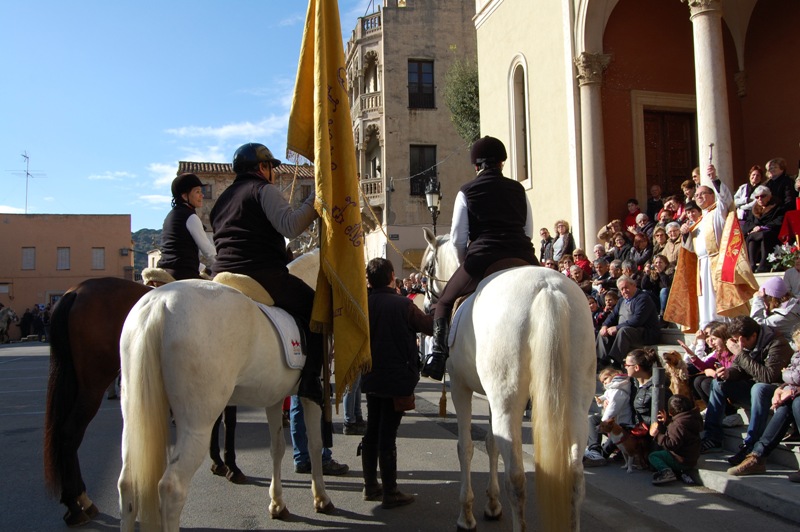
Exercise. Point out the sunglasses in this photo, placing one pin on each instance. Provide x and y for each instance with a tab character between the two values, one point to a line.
761	196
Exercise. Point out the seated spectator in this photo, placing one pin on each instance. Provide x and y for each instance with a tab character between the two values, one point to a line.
678	208
656	281
615	269
563	244
644	225
633	212
639	364
565	263
688	188
761	226
743	199
775	306
610	300
760	355
615	403
629	269
607	232
622	248
781	185
786	407
642	251
602	280
550	263
693	213
660	240
597	312
546	249
673	246
655	202
792	278
577	275
665	216
708	364
633	323
678	435
581	260
599	252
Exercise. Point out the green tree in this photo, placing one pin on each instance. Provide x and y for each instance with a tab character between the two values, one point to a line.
461	97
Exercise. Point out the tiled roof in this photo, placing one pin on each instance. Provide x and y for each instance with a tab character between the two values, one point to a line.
304	171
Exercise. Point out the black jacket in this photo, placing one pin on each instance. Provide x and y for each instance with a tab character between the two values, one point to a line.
394	321
178	249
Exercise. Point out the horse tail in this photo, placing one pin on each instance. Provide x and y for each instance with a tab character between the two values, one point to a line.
145	407
550	392
62	392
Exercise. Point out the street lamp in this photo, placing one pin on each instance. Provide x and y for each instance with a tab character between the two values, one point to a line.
433	196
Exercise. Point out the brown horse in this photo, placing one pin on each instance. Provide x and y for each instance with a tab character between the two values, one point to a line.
84	359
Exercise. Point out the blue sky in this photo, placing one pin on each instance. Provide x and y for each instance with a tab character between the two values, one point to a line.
107	96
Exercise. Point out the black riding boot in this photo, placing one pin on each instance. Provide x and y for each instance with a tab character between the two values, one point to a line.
369	464
392	498
310	384
436	361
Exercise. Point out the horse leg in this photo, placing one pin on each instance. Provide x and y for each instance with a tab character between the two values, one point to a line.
462	401
277	448
312	414
507	429
128	510
235	474
186	458
494	509
218	467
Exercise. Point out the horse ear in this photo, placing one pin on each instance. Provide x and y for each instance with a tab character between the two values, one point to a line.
430	238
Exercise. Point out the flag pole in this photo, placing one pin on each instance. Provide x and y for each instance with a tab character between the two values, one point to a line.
327	411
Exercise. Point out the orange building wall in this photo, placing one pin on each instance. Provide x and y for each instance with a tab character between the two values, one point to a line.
46	233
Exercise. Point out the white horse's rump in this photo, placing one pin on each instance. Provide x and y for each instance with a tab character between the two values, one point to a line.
194	347
528	334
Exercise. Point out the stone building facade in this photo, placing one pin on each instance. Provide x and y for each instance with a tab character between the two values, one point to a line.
396	61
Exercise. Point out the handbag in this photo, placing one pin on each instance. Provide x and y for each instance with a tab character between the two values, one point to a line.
640	430
403	403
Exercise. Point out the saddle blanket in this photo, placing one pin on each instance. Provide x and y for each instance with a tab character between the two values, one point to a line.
288	332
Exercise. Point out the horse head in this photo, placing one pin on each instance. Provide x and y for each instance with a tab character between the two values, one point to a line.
439	262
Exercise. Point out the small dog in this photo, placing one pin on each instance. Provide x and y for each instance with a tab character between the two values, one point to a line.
678	373
633	449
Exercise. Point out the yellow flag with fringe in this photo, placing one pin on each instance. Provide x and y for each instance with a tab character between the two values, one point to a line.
320	129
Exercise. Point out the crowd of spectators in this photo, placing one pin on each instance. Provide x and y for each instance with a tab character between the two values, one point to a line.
734	363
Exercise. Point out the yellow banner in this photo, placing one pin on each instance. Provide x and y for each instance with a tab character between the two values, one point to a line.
320	129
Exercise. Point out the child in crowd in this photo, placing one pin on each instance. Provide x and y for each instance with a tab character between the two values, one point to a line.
597	312
679	436
611	298
615	403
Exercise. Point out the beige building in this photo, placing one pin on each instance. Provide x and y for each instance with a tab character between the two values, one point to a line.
600	99
397	59
45	254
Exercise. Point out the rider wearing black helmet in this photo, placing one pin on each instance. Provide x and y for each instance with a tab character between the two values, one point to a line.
183	234
250	220
491	221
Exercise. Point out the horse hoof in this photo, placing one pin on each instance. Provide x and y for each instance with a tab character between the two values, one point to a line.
328	509
74	519
462	529
92	511
283	515
236	476
221	470
489	517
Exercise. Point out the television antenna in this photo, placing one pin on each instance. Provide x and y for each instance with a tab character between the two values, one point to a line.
28	176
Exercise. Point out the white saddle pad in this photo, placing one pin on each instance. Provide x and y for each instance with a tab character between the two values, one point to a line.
451	339
289	334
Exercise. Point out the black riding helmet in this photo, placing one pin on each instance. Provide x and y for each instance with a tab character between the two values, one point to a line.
250	155
183	184
488	150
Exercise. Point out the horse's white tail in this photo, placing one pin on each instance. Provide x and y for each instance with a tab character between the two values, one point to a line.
145	409
551	399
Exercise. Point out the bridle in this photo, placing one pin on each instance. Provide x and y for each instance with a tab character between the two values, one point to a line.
430	272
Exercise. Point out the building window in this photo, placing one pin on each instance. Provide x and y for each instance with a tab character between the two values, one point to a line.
99	258
420	84
422	166
520	129
62	259
207	192
28	258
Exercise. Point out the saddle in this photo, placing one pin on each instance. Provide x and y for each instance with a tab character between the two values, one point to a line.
154	277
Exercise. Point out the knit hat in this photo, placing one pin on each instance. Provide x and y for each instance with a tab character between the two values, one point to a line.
775	287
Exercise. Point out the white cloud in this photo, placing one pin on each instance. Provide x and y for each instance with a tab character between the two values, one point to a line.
7	209
163	173
242	130
206	154
111	176
157	200
49	198
292	20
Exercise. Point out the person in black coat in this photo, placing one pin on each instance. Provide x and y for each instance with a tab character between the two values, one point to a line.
761	227
633	324
394	322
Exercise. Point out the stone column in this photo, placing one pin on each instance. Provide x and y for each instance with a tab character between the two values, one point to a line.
594	191
713	122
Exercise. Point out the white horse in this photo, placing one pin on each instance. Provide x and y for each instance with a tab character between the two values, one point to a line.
527	333
7	317
194	347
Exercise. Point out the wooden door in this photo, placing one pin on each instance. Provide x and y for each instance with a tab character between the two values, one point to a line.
670	149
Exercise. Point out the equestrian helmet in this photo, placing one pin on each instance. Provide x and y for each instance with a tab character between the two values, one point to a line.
250	155
488	150
184	183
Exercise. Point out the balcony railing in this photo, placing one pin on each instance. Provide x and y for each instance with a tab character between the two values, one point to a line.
373	189
371	102
371	24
